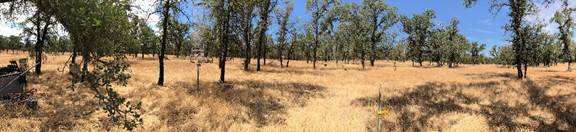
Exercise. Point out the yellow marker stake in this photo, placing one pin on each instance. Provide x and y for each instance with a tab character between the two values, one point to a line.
383	112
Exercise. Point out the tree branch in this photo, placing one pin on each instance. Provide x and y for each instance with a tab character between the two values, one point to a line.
4	1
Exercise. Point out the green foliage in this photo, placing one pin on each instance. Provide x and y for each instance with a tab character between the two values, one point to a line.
14	43
380	17
353	31
102	30
437	44
418	29
178	33
566	24
11	43
398	52
101	45
283	17
321	22
475	50
58	44
503	55
120	111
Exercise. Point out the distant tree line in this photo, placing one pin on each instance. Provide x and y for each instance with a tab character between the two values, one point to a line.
340	32
12	43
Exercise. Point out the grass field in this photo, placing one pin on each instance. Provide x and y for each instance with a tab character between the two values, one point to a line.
333	97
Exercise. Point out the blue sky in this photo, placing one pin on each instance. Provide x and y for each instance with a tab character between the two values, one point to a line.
476	23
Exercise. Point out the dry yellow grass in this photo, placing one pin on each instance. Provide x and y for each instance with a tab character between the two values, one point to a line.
335	97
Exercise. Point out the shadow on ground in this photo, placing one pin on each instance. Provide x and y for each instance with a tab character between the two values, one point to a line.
321	69
248	101
286	70
60	107
505	105
179	106
489	75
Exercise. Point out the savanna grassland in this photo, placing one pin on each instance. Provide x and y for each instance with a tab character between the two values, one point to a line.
333	97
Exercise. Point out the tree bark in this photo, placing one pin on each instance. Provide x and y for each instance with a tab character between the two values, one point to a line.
85	61
224	41
569	68
374	40
263	23
74	51
280	54
39	44
142	53
259	54
41	38
163	45
247	42
264	53
525	70
315	50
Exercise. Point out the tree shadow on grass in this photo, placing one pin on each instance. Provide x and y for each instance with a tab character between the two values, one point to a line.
285	70
552	70
294	71
263	103
563	111
504	107
60	107
319	71
488	75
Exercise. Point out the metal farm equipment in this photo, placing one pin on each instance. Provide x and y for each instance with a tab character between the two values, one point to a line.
13	84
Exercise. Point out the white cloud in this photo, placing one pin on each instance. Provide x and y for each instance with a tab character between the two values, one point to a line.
145	9
8	30
546	12
12	26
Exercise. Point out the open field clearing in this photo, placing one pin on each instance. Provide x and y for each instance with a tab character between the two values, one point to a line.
287	65
335	97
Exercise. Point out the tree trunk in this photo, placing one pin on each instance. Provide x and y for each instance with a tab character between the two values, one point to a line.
178	48
265	52
248	53
163	45
263	23
259	55
288	59
280	55
373	48
307	55
569	64
362	61
224	41
525	70
40	41
315	50
519	65
74	53
517	13
39	44
85	61
362	57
